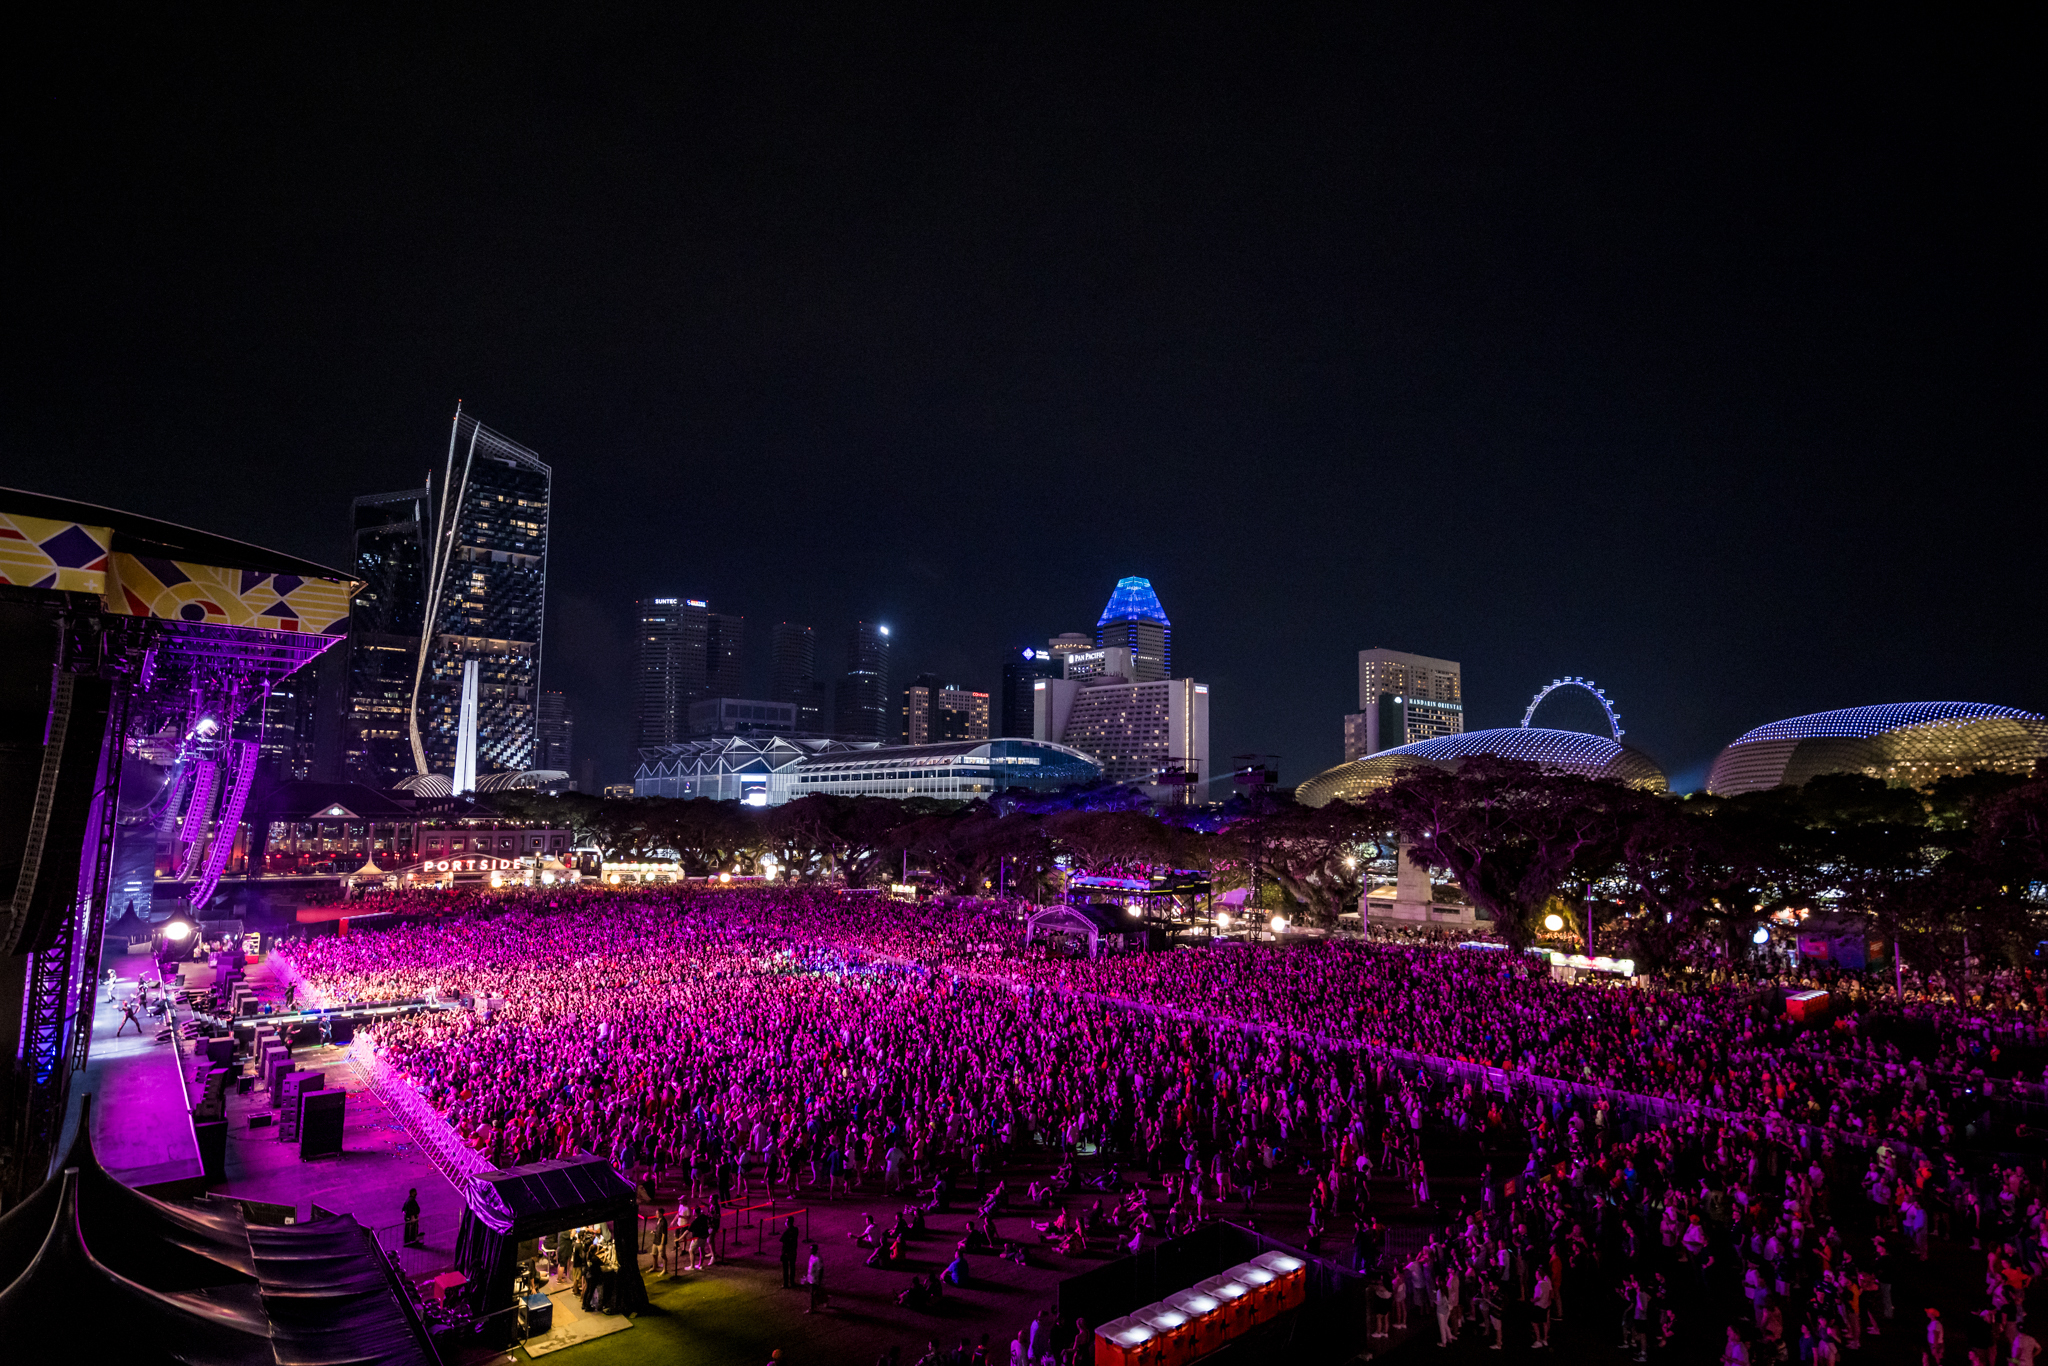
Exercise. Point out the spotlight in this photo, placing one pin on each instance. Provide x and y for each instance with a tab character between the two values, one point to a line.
1761	936
207	727
725	877
1223	920
177	931
1553	922
1279	924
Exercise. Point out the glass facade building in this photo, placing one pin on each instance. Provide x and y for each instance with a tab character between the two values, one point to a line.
793	676
668	666
486	581
771	770
862	706
1023	668
555	732
388	553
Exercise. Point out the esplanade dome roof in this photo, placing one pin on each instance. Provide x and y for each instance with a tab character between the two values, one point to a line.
1563	751
1908	743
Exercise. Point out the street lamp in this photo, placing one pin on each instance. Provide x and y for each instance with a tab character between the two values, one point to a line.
1553	922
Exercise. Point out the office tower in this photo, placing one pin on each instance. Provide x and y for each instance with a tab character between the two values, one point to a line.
486	597
1403	698
1135	620
935	712
795	665
1023	668
675	661
862	709
794	676
388	553
283	724
725	656
555	731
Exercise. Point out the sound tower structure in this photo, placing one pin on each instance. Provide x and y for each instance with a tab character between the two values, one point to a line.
128	646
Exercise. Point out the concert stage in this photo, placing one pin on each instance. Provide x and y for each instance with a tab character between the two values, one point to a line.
142	1117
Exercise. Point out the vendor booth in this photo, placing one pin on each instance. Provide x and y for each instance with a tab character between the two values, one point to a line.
548	1200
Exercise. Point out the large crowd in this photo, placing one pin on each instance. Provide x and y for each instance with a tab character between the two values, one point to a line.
803	1036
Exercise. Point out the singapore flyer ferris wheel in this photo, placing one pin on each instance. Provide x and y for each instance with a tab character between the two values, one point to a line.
1613	717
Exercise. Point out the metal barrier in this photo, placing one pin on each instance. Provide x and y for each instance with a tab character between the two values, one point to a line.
445	1148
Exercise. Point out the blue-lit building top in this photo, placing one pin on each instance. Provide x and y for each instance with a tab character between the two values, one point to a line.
1135	620
1907	743
1561	751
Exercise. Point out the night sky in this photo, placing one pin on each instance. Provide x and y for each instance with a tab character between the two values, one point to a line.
1704	362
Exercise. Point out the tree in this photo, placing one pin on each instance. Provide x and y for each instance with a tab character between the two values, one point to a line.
1508	831
1317	855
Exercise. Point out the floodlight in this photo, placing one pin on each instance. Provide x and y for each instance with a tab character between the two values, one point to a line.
1762	935
1553	922
1279	923
1223	920
207	726
178	931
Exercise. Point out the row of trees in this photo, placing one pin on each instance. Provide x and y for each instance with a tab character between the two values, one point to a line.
1964	863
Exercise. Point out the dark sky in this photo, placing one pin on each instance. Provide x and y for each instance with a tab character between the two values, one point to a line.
1706	362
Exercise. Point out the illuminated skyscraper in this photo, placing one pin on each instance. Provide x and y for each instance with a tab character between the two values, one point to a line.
388	553
862	707
486	595
1135	620
668	667
933	712
1403	699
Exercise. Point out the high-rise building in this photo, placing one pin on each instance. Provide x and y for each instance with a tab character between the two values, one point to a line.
861	704
725	656
686	653
388	553
283	724
1151	733
659	650
1023	668
1135	620
1402	699
793	676
933	712
486	597
555	733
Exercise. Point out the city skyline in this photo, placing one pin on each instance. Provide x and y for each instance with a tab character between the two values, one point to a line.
1646	339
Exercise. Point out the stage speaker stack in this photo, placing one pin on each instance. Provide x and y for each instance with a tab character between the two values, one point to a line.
297	1085
321	1117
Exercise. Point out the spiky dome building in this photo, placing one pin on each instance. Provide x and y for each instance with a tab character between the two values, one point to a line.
1911	744
1561	751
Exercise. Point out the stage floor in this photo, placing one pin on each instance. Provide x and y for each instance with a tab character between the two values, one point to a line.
142	1118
